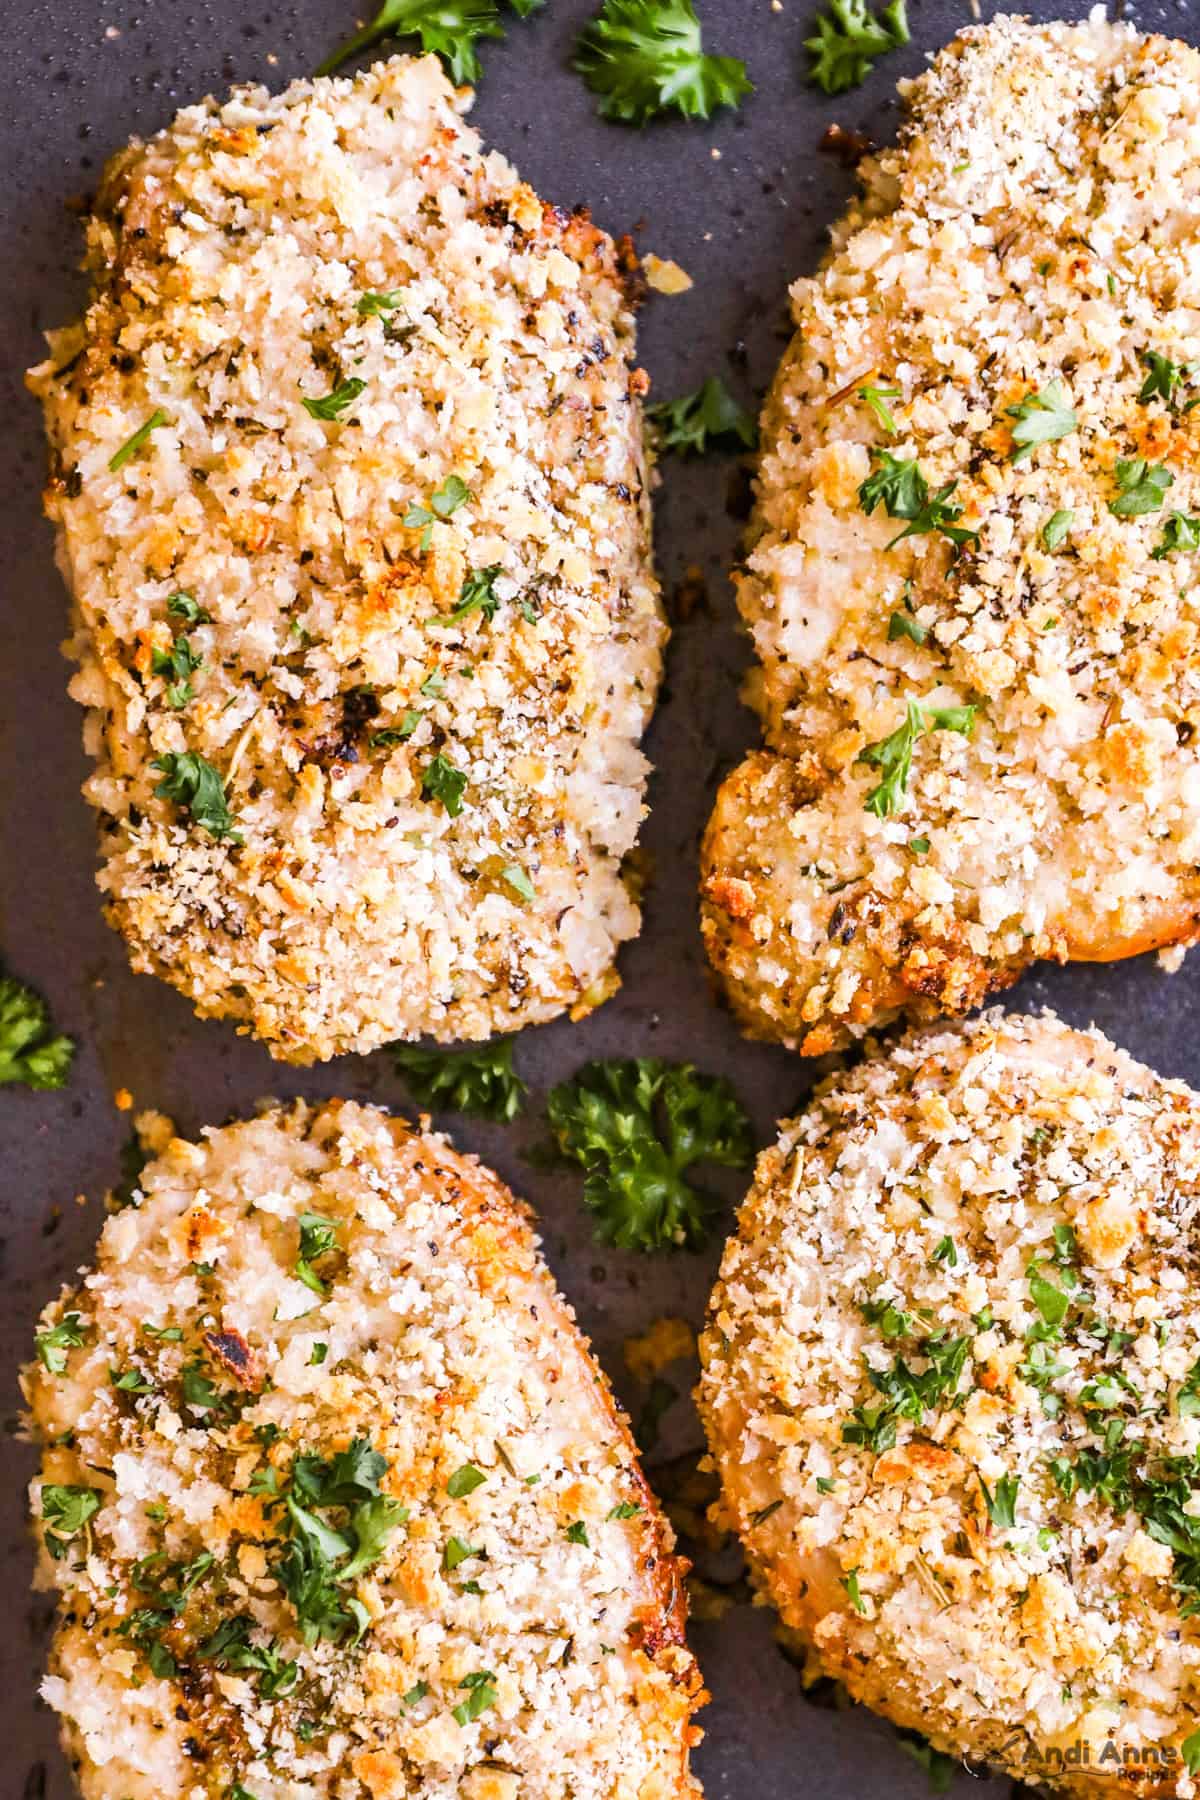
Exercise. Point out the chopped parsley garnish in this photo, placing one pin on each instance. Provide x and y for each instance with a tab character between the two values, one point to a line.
642	57
133	444
1190	1749
374	304
477	594
479	1080
52	1345
318	1237
898	485
875	399
317	1357
907	1392
850	1583
440	780
177	665
446	28
946	1253
457	1552
518	879
919	846
443	503
709	418
1181	531
626	1509
66	1512
464	1481
1163	377
229	1647
1001	1502
185	606
1040	418
636	1126
415	1694
848	38
577	1534
131	1381
893	755
332	405
480	1695
197	789
321	1558
1057	528
1142	487
903	625
29	1053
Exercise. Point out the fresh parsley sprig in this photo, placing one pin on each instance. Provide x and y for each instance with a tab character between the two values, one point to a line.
847	39
29	1053
446	28
636	1126
479	1080
642	57
1181	531
893	755
709	418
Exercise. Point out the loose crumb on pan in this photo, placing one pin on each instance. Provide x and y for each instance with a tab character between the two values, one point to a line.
324	1310
979	488
951	1382
347	466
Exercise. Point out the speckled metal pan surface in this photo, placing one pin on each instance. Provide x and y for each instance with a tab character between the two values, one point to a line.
744	205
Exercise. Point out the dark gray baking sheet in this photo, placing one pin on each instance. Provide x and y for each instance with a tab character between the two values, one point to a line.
81	78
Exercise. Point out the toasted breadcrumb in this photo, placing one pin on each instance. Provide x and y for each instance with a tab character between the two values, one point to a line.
343	373
1034	227
949	1382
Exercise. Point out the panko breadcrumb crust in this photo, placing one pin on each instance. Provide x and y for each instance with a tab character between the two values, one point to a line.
1038	223
351	237
998	1218
447	1349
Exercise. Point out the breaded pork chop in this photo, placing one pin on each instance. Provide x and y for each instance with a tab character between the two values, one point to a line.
952	1385
347	466
973	576
337	1502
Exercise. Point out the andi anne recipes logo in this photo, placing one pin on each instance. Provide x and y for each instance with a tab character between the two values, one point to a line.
1143	1764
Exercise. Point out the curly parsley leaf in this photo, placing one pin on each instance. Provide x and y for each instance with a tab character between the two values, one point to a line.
940	1768
479	1080
642	57
1181	531
709	418
440	780
333	405
446	28
893	755
29	1054
1040	418
197	789
847	40
636	1127
1142	486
